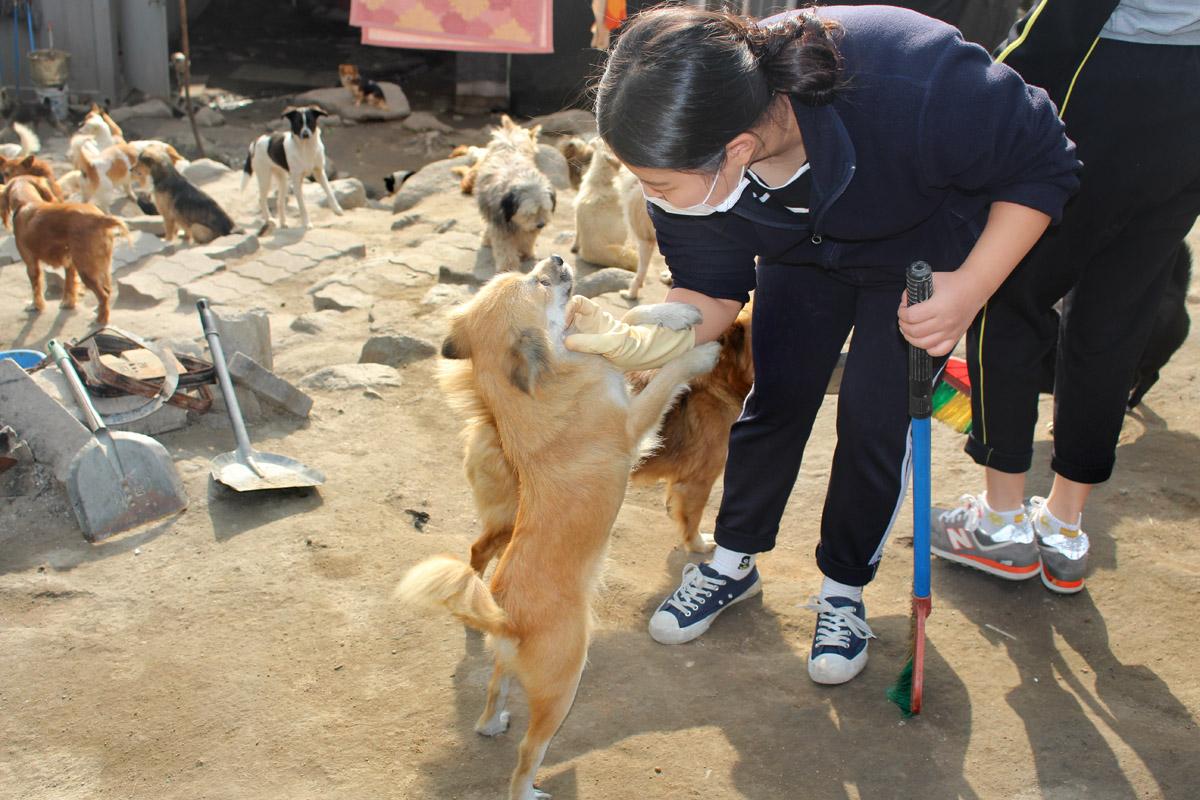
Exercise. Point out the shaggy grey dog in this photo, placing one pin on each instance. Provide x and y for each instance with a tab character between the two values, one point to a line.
516	200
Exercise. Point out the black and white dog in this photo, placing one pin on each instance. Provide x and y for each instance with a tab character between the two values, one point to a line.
287	158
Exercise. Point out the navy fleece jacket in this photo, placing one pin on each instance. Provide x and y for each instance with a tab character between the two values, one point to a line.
925	135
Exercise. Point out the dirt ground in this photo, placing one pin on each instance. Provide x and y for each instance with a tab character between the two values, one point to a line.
250	647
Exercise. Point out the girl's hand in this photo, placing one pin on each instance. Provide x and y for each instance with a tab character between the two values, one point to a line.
937	324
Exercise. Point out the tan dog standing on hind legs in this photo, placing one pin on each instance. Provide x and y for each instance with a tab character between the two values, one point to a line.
564	434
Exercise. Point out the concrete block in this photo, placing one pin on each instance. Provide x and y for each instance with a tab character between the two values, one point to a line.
350	193
395	349
247	332
52	433
339	297
268	385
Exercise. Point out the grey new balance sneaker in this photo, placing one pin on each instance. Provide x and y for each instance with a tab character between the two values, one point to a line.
974	535
1064	558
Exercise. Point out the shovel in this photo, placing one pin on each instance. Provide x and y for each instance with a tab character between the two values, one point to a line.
246	469
118	480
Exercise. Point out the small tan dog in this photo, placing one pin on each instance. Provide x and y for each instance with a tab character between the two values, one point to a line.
362	89
600	230
74	236
641	230
552	437
106	172
695	432
515	199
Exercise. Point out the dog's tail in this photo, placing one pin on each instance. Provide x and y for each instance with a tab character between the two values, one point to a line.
121	229
30	143
247	168
447	583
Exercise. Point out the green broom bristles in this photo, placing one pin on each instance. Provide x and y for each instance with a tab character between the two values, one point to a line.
900	692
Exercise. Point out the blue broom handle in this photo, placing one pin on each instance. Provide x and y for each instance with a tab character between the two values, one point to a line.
29	19
919	282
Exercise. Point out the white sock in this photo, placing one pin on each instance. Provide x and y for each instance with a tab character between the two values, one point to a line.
1056	525
831	588
1009	517
732	563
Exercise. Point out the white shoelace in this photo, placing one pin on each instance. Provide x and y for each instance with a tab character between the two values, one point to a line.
834	625
969	516
695	584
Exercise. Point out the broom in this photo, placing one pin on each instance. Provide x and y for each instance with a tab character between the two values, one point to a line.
906	691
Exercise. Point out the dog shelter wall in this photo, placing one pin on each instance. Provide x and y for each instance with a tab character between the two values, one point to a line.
92	32
544	83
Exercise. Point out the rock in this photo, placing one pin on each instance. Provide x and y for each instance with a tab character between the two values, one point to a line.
338	100
399	224
570	122
603	281
437	176
349	192
352	376
395	349
318	322
446	294
420	121
154	108
554	166
205	170
339	297
209	118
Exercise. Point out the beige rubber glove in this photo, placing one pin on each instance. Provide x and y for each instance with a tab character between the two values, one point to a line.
630	347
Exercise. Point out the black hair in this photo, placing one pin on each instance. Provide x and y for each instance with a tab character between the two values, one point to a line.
682	82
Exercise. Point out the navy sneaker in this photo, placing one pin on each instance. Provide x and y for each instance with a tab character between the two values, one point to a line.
691	608
839	650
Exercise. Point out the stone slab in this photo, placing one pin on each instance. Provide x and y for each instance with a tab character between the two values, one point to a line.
268	385
52	433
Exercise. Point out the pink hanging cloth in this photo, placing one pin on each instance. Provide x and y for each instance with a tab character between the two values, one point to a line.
482	26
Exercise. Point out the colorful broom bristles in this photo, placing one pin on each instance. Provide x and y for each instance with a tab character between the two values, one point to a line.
952	396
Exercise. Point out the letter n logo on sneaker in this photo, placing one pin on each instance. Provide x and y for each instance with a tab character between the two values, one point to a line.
959	539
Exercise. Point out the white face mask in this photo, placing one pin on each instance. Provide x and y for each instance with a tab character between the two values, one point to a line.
703	209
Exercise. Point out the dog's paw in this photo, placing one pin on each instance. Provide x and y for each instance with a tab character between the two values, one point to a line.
676	316
702	358
495	726
700	543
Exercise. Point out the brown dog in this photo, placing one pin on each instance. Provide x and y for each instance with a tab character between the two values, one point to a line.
695	433
30	165
557	434
77	237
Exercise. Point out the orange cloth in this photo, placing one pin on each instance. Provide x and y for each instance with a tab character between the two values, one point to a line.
614	12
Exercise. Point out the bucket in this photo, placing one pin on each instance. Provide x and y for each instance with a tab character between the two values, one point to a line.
49	67
24	358
55	98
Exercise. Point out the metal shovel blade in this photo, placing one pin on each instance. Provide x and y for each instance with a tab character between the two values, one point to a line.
107	499
254	470
118	480
245	469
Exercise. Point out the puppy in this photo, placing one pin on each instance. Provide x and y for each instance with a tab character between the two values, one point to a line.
107	172
14	110
515	199
578	154
74	236
394	180
694	434
553	434
600	230
641	230
181	204
286	159
364	90
30	165
27	143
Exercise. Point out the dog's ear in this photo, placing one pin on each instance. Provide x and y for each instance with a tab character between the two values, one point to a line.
27	162
534	131
287	112
529	357
508	206
455	345
320	112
